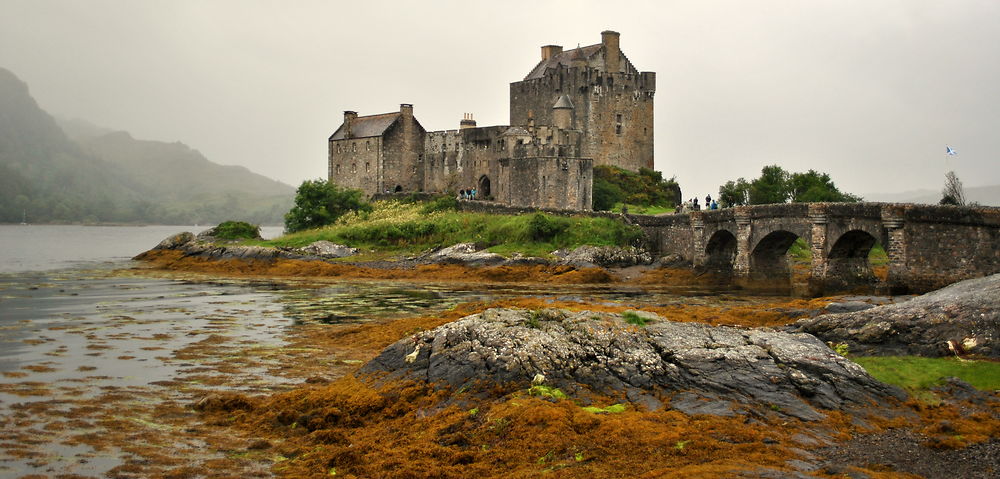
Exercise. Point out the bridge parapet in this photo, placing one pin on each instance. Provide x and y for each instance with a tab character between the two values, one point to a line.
929	246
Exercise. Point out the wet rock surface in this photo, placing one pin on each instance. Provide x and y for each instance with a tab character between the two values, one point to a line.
718	369
464	253
958	319
604	256
327	249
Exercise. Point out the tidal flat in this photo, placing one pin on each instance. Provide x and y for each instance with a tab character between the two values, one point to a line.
99	367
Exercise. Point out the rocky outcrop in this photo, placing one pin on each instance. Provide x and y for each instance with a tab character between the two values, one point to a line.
464	253
716	370
326	249
958	319
605	256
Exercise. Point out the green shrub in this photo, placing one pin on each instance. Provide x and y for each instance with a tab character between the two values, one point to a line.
633	318
320	203
544	228
441	203
235	230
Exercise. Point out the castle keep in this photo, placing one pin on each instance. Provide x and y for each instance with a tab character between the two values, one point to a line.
575	109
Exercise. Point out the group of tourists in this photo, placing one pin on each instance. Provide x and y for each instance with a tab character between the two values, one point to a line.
692	204
469	194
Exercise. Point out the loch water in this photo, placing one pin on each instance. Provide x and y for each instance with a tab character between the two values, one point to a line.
80	320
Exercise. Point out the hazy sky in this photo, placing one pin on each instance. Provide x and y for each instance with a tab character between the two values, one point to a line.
870	91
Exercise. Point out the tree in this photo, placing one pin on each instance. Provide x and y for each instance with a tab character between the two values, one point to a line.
734	193
319	203
775	185
606	194
771	187
646	188
953	193
812	187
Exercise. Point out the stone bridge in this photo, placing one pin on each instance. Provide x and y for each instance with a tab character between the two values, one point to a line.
928	246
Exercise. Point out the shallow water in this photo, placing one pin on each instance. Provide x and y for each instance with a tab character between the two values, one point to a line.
100	361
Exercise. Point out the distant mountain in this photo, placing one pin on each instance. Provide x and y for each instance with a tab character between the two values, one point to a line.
984	195
73	171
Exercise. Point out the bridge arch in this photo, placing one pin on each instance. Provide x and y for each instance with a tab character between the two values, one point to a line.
847	261
768	261
720	252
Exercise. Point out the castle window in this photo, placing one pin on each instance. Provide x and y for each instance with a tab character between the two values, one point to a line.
354	147
368	146
368	168
337	169
354	167
340	148
618	125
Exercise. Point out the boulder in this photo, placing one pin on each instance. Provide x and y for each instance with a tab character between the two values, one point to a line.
326	249
465	253
587	256
779	371
958	319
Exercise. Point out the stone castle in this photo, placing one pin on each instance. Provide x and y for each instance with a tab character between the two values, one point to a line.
575	109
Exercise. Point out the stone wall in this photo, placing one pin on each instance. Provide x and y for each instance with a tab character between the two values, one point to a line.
403	142
354	163
545	182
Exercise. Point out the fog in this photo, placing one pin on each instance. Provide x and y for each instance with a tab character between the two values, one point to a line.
868	91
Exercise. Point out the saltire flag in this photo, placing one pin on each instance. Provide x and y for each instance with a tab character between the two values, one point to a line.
949	151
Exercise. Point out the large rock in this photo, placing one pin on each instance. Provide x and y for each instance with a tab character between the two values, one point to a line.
605	256
465	253
177	241
326	249
961	318
785	372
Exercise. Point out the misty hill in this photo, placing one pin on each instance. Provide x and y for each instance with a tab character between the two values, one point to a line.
91	174
984	195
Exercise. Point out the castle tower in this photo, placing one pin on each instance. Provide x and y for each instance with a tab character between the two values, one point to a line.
613	101
562	113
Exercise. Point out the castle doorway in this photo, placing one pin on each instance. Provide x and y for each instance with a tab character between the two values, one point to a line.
483	190
398	189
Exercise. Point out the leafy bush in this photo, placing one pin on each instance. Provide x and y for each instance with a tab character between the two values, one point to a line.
775	185
644	188
319	203
441	203
544	228
233	230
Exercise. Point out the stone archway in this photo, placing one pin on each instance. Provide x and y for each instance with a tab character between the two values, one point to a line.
398	189
720	252
768	261
483	188
847	264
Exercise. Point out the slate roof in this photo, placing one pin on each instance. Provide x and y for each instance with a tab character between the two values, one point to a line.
516	131
564	102
364	126
562	59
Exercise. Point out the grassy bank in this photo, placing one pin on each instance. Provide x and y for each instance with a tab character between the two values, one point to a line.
917	373
406	228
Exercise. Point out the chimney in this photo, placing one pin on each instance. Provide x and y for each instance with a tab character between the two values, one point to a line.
349	117
612	51
467	122
406	110
549	51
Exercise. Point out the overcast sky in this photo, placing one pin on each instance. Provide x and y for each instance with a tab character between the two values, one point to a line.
870	91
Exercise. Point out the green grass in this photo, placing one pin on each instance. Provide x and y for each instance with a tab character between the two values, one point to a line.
407	228
800	252
643	209
633	318
612	409
915	373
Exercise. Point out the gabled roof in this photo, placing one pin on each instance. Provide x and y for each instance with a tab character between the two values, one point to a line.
562	59
363	126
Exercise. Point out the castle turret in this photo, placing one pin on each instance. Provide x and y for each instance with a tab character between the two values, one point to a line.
349	117
549	51
579	60
562	113
612	51
467	122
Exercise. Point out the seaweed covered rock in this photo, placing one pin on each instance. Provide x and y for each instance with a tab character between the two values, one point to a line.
607	354
464	253
961	318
